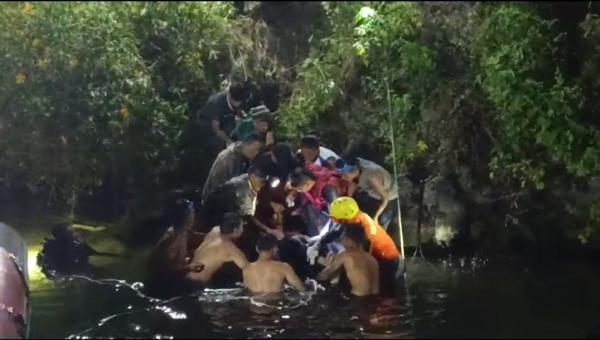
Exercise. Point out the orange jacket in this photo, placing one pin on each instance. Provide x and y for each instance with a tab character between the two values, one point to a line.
382	245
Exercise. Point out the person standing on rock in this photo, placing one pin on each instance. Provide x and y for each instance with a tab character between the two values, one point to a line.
231	162
224	111
374	188
239	194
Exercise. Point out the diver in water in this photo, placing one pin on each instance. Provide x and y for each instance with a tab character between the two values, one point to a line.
66	252
266	275
169	262
361	267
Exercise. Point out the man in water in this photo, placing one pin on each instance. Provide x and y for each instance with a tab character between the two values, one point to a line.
169	261
345	210
361	267
66	252
218	248
231	162
267	275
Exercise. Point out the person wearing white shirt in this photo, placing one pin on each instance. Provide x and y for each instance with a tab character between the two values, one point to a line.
313	153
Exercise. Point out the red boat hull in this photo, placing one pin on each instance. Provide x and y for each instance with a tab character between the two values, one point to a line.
14	292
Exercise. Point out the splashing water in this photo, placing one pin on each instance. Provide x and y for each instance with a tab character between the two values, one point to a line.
291	300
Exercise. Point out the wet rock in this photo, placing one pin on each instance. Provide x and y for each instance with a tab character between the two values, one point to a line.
442	211
446	212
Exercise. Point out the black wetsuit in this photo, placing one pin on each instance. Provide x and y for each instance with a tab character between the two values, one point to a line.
64	257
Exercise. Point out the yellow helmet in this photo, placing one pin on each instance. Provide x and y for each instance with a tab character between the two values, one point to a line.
344	208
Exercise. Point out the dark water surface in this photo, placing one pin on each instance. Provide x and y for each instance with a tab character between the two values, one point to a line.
451	298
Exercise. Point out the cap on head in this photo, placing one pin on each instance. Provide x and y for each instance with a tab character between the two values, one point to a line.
260	113
346	166
344	208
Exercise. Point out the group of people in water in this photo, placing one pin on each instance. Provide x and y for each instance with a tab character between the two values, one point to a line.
270	214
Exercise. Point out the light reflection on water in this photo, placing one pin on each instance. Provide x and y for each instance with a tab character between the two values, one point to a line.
449	298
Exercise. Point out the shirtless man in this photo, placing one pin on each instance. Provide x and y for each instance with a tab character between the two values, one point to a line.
267	275
361	267
218	248
169	262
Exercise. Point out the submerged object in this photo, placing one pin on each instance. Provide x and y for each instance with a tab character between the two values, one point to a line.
14	285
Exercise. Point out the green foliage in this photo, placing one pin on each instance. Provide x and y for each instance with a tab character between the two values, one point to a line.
537	114
89	89
476	89
502	53
473	89
322	76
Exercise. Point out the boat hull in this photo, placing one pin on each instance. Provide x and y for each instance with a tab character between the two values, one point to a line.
14	285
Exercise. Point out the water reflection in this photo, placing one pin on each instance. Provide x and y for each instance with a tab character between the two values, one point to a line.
450	298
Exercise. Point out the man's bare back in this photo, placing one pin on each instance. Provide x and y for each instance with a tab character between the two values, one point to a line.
268	276
361	268
213	253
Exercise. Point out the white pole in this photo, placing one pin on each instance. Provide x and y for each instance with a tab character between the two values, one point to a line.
395	167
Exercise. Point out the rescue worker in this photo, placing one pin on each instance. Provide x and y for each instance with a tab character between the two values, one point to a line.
345	210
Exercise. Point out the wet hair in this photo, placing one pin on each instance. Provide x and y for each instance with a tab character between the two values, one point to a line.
310	142
61	230
301	176
179	213
252	138
356	233
231	222
266	243
239	91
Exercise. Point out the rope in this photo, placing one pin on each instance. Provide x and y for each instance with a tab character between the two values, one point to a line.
400	234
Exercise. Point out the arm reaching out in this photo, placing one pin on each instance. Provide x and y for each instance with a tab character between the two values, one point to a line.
238	257
220	133
380	190
332	268
293	279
